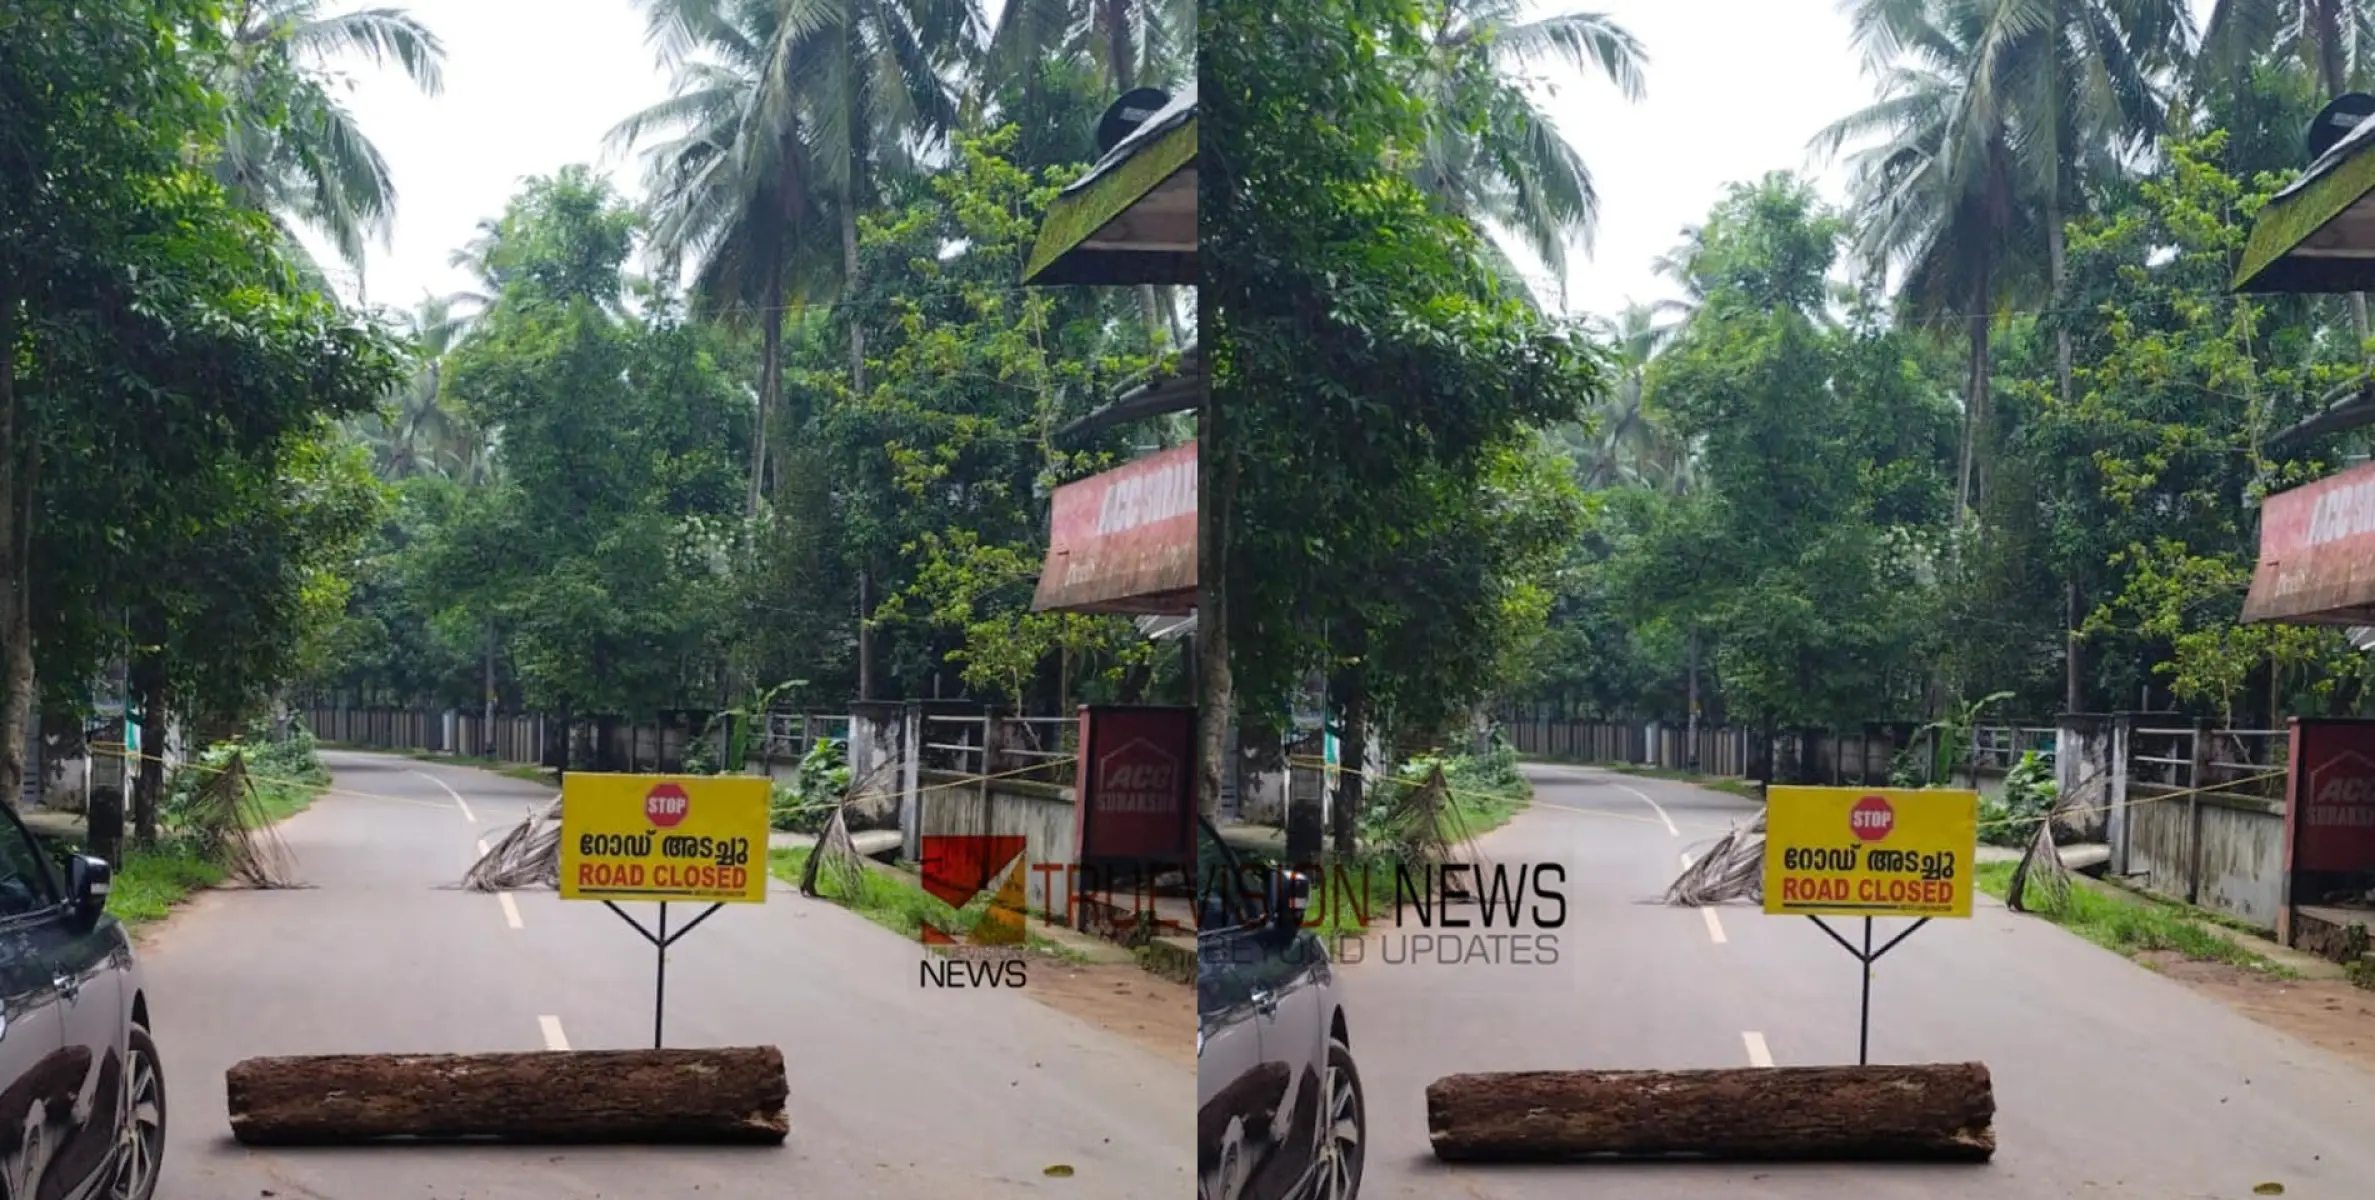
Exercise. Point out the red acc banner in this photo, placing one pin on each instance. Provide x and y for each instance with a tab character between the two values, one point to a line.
1136	793
1124	541
2329	810
2317	553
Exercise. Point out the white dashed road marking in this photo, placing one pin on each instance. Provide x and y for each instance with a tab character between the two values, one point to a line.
1715	925
1758	1055
554	1039
460	803
511	909
1654	806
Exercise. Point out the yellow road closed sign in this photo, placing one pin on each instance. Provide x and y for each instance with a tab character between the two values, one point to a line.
1869	852
664	837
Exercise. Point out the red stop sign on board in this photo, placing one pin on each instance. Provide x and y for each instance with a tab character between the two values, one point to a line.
666	804
1872	818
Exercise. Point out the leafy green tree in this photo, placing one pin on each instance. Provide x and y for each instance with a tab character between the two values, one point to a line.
1364	400
612	523
1803	555
155	355
958	433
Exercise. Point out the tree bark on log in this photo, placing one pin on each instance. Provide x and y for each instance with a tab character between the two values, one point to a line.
1939	1113
634	1097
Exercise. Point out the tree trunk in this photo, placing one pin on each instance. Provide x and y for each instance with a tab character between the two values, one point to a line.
2073	678
1943	1112
865	633
731	1095
1216	698
147	681
104	823
1690	749
1121	58
486	727
849	286
770	384
1350	687
1975	400
16	519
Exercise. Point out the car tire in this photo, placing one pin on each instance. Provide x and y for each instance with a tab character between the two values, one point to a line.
1342	1130
141	1162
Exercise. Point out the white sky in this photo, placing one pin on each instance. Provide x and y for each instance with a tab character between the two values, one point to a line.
1735	88
530	87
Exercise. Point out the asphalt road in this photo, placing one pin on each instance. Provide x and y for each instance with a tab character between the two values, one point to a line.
2110	1080
896	1091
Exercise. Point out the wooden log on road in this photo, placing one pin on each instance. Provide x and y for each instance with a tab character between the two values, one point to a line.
731	1095
1941	1113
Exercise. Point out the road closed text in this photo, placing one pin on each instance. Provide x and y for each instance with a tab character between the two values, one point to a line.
634	837
1869	852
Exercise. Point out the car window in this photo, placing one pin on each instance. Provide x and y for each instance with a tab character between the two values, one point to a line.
1219	882
26	885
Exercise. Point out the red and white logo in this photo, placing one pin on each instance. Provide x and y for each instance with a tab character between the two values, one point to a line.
666	804
1872	818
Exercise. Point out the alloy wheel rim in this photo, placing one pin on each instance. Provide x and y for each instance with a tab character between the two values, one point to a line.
1340	1139
144	1132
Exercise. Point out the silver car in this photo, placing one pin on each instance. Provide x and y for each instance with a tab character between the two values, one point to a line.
1279	1109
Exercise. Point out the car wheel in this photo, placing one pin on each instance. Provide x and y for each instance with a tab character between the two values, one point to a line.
1343	1129
143	1133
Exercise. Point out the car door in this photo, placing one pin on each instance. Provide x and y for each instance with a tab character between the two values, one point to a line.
89	960
1289	1001
42	1075
1236	1097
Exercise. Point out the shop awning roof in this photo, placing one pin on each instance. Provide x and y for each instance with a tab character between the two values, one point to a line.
1124	541
2317	553
1132	218
2318	234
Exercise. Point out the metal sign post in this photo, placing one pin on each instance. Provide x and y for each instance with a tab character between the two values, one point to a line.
1866	956
661	941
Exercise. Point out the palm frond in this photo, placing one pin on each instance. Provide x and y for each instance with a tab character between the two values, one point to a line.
379	35
1587	42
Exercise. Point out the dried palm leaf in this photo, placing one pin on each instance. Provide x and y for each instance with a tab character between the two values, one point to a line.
1731	869
529	856
835	860
233	829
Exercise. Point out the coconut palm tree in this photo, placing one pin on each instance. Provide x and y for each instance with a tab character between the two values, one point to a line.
1628	445
308	163
416	433
785	113
2334	39
1516	169
1133	43
1995	120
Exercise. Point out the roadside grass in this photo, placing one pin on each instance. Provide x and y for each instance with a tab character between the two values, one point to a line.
2130	925
154	881
894	900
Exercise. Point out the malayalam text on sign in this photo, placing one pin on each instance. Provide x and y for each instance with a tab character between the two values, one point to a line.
1870	852
658	837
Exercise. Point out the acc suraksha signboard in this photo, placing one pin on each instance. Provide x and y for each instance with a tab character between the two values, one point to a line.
664	837
1869	852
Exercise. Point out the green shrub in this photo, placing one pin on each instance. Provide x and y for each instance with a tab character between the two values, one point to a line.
817	786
